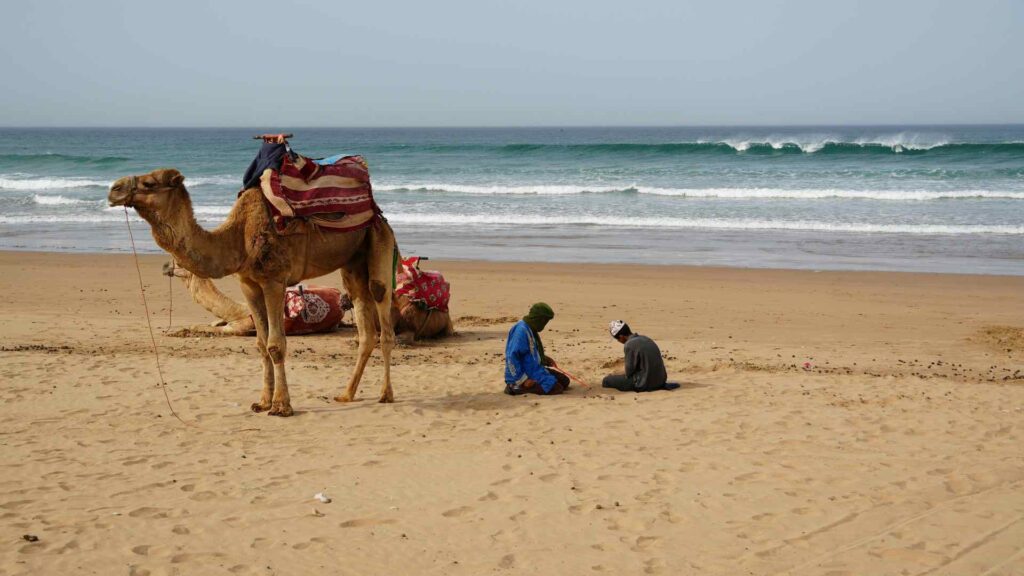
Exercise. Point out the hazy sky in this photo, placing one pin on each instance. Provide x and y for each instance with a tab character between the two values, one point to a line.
478	63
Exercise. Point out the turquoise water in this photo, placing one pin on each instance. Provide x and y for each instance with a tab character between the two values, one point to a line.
938	198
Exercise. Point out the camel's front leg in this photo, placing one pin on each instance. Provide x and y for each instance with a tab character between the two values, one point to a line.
254	297
277	347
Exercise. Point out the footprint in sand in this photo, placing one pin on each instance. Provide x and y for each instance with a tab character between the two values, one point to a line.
507	561
148	512
487	497
360	522
456	512
654	566
645	542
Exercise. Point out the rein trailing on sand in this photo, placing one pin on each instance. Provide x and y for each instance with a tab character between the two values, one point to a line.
145	305
152	337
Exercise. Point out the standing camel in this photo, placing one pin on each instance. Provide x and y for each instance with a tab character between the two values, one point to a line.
266	263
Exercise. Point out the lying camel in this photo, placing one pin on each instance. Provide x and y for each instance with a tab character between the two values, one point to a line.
412	321
235	319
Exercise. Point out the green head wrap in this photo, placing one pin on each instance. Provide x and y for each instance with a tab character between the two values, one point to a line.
539	315
537	319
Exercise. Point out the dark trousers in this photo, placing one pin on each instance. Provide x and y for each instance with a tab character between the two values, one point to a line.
623	384
618	382
531	386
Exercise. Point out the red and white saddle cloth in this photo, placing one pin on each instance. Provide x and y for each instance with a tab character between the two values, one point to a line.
309	309
336	196
425	287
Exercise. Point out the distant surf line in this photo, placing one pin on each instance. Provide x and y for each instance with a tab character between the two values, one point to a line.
216	213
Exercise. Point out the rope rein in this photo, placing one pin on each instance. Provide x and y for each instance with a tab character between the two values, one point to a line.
145	305
170	298
149	322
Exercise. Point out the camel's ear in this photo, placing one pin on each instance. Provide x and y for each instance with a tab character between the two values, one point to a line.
171	177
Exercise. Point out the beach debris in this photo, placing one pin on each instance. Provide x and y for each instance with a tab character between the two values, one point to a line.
807	365
318	513
30	538
322	497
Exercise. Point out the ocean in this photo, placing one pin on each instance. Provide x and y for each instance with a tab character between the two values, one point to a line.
913	198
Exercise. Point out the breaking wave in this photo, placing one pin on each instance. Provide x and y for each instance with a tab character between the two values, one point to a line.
46	158
771	145
700	223
723	193
211	214
29	182
59	200
51	183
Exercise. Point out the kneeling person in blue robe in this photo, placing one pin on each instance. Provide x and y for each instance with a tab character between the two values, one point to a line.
526	365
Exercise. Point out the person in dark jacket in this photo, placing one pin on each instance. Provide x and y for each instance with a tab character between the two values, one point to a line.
645	370
527	369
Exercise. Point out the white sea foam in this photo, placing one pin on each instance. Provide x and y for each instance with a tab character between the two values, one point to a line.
539	189
811	143
815	194
96	218
699	223
59	200
723	193
29	182
216	213
50	183
212	210
218	180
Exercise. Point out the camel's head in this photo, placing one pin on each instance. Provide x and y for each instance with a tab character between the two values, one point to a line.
153	191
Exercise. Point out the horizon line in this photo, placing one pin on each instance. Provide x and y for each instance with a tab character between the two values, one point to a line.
508	126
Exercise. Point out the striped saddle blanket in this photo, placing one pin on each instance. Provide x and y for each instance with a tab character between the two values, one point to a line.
336	194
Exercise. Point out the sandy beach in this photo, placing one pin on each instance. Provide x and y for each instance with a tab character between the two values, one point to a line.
829	423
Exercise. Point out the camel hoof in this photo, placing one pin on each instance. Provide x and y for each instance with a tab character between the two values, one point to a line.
387	399
344	398
283	411
257	407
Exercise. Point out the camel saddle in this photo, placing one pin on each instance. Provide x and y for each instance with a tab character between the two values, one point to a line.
425	288
334	193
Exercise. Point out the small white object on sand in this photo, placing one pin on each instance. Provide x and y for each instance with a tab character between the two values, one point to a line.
322	497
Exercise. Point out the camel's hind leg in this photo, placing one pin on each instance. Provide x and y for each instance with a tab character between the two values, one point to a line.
383	254
362	313
257	306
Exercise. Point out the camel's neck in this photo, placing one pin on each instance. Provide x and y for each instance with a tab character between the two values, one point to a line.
207	254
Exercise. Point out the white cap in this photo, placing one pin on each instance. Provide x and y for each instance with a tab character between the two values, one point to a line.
616	326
